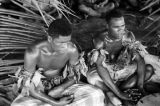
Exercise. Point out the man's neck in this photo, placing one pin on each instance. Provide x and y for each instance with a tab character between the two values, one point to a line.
112	38
56	46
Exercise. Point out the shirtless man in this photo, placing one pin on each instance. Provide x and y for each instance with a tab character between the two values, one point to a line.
105	77
53	84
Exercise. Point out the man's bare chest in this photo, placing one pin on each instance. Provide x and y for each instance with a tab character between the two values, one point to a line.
53	60
113	47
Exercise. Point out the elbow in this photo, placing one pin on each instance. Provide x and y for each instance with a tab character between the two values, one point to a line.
138	57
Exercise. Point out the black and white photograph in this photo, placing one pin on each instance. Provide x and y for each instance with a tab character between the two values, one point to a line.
79	52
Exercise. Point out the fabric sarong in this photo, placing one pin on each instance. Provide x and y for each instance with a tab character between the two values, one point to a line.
84	95
150	100
120	75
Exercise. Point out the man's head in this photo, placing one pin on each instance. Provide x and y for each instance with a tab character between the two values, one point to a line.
116	24
61	30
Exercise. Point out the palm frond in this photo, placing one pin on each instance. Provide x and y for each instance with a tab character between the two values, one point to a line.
20	5
39	9
154	12
157	19
20	14
154	29
150	5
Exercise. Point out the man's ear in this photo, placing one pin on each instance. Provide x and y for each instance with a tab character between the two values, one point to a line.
50	39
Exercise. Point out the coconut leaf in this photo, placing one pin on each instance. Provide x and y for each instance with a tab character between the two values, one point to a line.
154	12
28	10
20	14
154	29
39	9
10	62
150	5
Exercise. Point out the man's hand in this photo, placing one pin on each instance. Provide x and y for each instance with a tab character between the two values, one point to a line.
66	100
100	59
141	88
126	96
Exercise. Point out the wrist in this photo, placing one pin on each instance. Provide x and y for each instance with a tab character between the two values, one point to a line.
99	65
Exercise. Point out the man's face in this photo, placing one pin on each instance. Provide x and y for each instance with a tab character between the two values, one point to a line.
116	27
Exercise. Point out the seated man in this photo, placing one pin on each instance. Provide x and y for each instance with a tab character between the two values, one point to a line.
95	7
116	60
56	82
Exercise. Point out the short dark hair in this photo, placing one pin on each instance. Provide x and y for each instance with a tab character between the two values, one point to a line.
115	13
60	27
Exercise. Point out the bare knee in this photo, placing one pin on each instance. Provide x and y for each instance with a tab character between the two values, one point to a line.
99	93
149	71
149	68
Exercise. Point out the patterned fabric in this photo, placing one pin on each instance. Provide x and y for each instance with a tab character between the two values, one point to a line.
50	83
120	75
150	100
120	70
122	67
84	95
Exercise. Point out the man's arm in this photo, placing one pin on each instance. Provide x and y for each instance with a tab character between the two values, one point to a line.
30	61
104	74
73	59
140	69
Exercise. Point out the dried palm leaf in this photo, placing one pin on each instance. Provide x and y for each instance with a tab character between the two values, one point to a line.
18	4
20	22
21	31
9	35
152	22
13	52
9	69
8	44
150	5
58	5
4	41
13	38
10	62
15	26
39	9
2	95
154	29
32	6
154	12
4	47
6	101
20	14
21	34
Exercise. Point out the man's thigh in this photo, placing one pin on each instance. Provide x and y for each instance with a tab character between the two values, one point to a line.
93	77
86	95
28	101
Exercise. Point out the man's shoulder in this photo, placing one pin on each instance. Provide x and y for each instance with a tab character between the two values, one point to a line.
36	46
72	47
